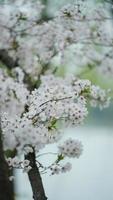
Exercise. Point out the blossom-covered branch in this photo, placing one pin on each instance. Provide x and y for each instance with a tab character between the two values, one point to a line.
80	25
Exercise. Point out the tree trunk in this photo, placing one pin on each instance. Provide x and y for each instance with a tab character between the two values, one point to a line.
6	191
35	179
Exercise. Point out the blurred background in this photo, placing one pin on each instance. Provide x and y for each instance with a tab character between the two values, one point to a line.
91	177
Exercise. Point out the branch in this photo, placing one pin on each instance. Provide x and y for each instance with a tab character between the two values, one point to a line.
51	100
35	178
6	190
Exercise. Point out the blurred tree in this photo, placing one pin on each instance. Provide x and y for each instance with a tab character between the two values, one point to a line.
6	192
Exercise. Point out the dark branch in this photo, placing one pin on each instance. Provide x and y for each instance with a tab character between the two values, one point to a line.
35	178
6	191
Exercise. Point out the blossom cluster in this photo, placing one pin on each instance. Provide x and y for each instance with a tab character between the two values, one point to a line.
13	92
71	148
15	163
91	34
57	103
54	104
60	169
82	26
99	95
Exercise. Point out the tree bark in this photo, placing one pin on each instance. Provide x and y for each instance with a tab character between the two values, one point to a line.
7	60
35	179
6	191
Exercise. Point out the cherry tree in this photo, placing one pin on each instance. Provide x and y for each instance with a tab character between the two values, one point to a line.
36	103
